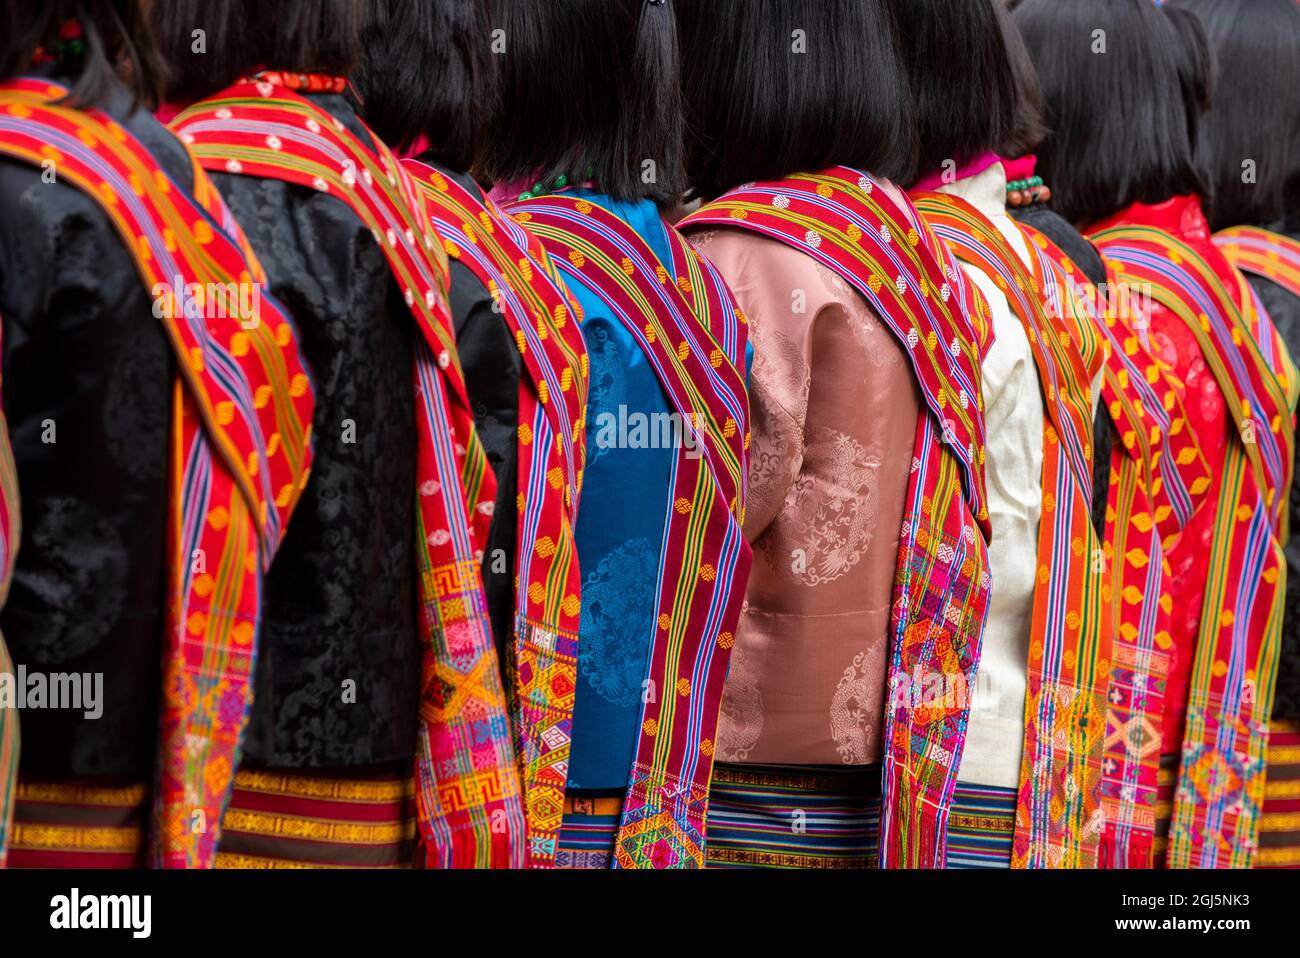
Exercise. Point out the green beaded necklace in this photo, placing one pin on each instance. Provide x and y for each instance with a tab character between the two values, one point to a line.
541	187
1027	192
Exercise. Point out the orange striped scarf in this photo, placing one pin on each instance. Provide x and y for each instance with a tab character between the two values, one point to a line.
241	451
1156	471
1058	815
1220	786
10	533
1263	253
468	792
547	326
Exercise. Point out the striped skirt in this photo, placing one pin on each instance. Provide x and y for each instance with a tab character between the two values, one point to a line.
799	816
282	820
794	816
1279	830
981	825
588	831
1166	787
274	820
78	825
8	757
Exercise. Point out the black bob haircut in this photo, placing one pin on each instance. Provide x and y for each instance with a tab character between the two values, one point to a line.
961	77
776	87
425	72
1255	117
1029	129
588	89
242	36
114	35
1121	89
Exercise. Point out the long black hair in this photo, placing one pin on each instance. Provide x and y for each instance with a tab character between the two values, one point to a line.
1250	140
588	89
1121	88
775	87
1029	129
961	78
425	73
210	44
115	45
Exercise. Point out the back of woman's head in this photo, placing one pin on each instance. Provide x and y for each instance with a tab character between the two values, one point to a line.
210	44
1120	91
1029	129
962	80
775	87
113	45
587	89
1249	142
425	73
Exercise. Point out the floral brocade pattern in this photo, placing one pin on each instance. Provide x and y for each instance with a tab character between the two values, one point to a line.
608	381
855	717
1178	352
88	380
740	724
621	585
834	407
338	676
833	514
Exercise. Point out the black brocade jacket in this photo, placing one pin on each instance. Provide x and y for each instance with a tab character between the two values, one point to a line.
1284	309
88	374
338	674
1085	256
339	655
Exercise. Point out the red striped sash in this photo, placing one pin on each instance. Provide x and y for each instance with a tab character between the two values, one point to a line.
10	534
241	450
1263	253
842	219
686	323
1220	787
1058	819
1156	470
468	792
547	326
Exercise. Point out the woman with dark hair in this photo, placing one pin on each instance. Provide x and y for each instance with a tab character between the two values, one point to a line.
1139	497
1250	150
1028	196
860	375
1123	81
586	143
160	418
376	664
1027	781
423	85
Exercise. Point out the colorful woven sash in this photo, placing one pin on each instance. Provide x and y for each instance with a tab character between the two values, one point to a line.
1058	817
686	323
1263	253
547	326
1156	471
1220	787
241	453
845	221
10	534
468	792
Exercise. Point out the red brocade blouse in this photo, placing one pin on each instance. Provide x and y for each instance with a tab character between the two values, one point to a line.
1176	347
